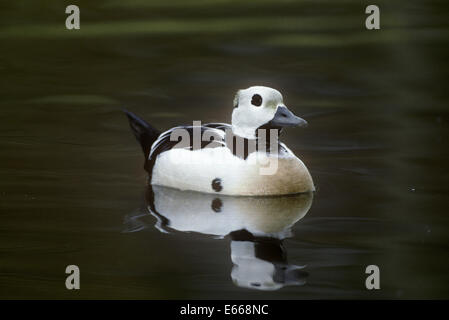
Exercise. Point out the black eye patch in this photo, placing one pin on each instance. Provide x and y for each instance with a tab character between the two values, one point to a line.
256	100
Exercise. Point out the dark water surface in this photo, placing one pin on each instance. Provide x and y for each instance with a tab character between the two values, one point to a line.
72	186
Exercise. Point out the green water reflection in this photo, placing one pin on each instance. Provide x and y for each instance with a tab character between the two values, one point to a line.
71	172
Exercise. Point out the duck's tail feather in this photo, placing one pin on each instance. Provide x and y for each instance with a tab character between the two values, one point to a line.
143	132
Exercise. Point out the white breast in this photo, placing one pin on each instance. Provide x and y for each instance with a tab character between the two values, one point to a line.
258	175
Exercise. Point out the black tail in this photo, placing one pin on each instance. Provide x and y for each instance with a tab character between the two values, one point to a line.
143	132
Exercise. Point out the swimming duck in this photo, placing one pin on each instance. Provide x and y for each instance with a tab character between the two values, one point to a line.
245	158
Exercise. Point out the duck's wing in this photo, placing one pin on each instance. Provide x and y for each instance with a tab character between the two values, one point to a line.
218	125
210	135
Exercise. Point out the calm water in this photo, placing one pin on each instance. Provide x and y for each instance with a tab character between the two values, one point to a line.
72	186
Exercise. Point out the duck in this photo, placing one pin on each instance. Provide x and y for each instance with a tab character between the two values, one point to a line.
244	158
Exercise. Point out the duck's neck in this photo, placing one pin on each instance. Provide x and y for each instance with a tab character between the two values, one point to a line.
265	141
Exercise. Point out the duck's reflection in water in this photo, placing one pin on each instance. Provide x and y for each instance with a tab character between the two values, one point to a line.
256	226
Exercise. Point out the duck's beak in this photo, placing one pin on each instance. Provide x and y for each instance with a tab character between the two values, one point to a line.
285	118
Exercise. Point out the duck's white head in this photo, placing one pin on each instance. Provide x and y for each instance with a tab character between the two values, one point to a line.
261	107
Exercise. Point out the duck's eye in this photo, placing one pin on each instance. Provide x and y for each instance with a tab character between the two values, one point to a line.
256	100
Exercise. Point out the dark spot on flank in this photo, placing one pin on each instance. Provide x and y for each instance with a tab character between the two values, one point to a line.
216	205
216	185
